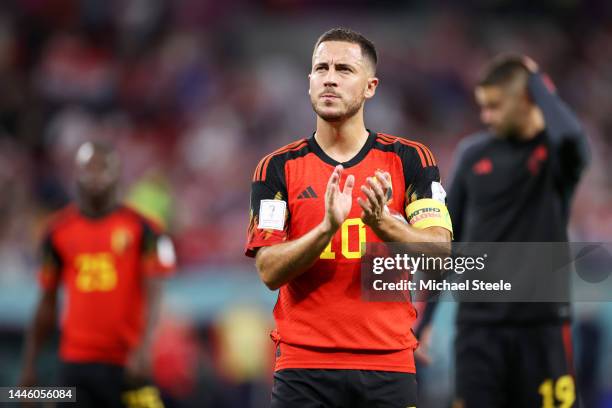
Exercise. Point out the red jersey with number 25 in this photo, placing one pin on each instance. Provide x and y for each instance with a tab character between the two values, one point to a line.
102	263
321	320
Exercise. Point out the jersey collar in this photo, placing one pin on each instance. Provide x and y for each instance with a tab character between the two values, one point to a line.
316	149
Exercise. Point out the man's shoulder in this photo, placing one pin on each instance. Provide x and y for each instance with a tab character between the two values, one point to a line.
291	147
474	143
137	218
279	156
62	217
405	147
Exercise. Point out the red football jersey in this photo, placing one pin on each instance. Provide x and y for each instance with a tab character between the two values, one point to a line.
322	322
101	262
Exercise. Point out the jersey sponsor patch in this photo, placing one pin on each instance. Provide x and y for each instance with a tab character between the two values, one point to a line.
437	192
272	214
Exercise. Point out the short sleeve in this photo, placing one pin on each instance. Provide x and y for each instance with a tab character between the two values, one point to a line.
269	213
50	271
425	200
158	257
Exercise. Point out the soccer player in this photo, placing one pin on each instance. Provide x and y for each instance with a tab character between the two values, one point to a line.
307	224
111	262
514	183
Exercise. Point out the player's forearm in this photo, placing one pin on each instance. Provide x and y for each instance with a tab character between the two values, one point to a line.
564	128
390	229
278	264
154	290
433	241
40	329
561	122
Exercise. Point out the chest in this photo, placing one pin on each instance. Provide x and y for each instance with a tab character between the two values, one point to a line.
505	171
307	181
95	254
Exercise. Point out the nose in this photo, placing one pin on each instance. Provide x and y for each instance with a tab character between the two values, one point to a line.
330	83
330	79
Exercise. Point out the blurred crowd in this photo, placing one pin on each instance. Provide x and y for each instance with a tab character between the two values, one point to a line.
193	93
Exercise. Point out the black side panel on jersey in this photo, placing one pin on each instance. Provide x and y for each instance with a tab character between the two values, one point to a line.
149	237
418	165
272	183
269	183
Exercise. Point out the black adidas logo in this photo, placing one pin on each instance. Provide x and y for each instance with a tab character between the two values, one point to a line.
308	193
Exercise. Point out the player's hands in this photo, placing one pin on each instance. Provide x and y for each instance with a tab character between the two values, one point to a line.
530	64
376	190
138	365
338	202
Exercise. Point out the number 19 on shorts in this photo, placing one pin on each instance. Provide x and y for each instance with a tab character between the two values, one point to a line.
562	391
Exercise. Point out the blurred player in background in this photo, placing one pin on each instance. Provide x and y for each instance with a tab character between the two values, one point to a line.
515	183
306	230
111	262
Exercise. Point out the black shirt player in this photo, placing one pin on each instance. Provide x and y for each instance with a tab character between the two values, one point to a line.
514	183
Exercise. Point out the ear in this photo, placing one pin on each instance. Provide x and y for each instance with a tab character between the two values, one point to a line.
527	97
523	99
371	87
309	84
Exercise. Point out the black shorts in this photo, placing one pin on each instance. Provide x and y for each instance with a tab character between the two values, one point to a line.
105	386
514	366
314	388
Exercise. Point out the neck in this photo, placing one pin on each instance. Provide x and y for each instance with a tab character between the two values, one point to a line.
98	206
342	140
533	125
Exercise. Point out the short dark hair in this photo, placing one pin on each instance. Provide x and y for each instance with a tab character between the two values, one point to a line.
504	69
367	47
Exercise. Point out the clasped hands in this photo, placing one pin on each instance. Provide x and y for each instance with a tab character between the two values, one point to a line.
338	202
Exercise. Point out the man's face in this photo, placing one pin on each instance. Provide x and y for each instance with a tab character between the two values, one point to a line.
97	171
502	108
340	81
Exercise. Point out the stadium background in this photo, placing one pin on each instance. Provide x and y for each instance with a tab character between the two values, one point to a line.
194	92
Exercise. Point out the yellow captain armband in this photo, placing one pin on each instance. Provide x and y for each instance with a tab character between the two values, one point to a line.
427	212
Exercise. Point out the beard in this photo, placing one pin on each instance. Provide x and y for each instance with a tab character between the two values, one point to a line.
338	115
98	194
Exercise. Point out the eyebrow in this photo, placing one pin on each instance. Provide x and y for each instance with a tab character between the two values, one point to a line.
337	65
344	65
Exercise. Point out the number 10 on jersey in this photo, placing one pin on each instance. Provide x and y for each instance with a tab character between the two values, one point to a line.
356	239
